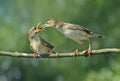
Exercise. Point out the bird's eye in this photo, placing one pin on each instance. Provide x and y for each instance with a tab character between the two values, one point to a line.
34	28
48	22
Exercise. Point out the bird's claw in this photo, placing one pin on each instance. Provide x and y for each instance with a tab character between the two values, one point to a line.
88	52
75	53
36	55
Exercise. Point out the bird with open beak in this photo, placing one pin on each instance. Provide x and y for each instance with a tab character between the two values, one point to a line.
74	32
38	45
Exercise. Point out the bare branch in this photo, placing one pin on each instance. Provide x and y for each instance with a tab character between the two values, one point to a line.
61	55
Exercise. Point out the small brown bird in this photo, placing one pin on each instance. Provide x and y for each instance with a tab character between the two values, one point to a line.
73	31
38	45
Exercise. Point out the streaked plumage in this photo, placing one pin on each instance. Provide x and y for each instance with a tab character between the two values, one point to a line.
38	45
72	31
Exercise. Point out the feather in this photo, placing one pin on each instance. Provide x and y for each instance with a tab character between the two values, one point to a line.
46	43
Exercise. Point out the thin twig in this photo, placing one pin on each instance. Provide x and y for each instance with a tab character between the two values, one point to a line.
61	55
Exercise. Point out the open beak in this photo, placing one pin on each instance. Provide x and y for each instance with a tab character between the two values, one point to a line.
39	28
38	24
43	26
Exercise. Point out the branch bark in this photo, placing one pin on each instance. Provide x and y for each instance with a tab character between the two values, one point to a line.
62	55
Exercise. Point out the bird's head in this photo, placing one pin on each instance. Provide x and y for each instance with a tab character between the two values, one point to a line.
50	23
35	30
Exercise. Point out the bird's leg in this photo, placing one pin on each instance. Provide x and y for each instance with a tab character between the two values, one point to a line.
75	53
36	55
89	50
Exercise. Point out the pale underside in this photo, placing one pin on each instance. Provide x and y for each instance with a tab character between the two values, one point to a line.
76	35
38	47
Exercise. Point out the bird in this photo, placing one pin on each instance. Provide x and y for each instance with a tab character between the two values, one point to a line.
73	31
37	44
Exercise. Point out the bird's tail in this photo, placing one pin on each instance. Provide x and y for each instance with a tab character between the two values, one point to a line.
98	36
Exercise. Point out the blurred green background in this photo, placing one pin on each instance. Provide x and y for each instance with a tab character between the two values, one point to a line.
100	16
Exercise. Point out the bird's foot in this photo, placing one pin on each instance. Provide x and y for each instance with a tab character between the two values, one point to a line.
36	55
88	52
75	53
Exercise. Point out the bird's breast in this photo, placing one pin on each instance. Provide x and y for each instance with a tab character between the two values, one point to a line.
38	47
75	34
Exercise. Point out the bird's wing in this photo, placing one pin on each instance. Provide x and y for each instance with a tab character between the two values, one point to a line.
45	43
78	27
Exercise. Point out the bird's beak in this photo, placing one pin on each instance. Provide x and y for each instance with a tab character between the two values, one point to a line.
38	24
39	28
43	26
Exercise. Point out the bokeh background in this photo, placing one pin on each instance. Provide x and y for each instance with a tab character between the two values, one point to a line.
100	16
